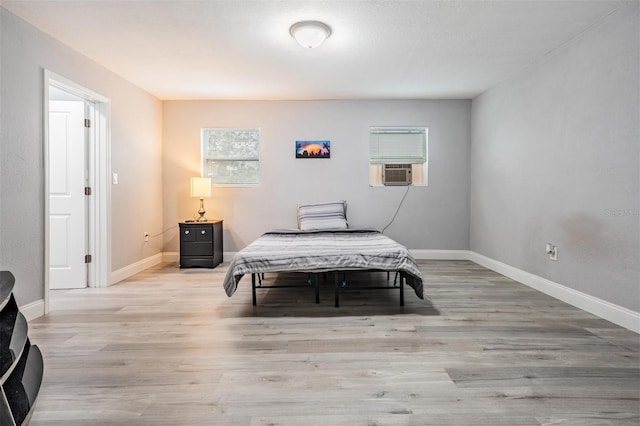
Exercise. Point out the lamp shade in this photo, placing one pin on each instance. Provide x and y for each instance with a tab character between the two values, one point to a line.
200	187
310	34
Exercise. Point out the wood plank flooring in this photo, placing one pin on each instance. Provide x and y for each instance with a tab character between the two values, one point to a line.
168	347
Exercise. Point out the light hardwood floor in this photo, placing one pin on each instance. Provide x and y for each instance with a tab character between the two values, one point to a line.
167	347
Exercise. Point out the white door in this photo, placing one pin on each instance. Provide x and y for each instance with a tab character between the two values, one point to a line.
67	200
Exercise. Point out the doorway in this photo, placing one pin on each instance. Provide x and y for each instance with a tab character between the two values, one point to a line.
77	190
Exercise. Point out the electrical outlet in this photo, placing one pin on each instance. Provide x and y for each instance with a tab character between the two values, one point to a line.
552	251
146	237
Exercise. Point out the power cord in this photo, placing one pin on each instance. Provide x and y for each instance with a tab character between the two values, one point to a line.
397	209
151	242
163	232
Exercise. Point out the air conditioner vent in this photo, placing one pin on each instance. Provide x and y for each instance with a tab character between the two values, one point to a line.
397	174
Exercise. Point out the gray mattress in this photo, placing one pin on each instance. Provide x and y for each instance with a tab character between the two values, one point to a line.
323	251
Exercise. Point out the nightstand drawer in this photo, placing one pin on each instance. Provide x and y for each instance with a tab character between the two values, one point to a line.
197	233
196	249
204	234
187	234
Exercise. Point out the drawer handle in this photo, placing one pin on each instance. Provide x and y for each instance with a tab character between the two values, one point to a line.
203	232
186	232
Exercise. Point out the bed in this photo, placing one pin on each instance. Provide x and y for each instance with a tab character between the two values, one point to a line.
318	252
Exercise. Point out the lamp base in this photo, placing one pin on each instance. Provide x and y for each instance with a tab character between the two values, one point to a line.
201	212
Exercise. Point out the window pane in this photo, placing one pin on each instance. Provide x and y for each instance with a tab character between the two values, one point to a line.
397	148
231	143
233	172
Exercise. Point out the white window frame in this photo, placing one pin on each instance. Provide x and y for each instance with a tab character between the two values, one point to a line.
419	171
204	138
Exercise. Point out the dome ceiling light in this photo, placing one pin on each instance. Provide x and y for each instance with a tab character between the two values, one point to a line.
310	34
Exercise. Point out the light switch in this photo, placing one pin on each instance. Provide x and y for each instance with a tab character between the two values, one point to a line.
114	179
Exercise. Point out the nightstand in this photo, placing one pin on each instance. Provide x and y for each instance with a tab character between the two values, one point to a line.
200	244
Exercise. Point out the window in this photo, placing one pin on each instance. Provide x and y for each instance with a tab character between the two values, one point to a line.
230	157
398	156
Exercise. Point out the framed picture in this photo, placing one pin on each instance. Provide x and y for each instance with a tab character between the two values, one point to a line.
313	149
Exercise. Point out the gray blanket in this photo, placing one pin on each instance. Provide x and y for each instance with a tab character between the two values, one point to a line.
323	251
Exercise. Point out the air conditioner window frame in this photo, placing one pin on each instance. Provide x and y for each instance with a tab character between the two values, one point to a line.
416	157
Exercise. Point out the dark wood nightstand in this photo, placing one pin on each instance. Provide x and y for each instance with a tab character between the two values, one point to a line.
200	244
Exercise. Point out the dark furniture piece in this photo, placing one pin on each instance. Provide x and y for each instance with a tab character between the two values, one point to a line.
200	244
21	365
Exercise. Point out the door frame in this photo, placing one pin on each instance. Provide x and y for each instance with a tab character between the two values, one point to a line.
99	204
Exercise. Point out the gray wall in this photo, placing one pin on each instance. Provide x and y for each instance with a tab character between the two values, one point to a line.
555	158
432	217
136	154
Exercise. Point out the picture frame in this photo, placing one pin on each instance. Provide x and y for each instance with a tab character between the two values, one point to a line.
313	149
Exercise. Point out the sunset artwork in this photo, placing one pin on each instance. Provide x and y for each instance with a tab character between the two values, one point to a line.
313	149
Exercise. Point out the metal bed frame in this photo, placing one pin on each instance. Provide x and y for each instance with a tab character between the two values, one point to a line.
343	285
312	280
260	285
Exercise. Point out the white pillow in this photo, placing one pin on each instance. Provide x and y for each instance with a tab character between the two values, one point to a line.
317	217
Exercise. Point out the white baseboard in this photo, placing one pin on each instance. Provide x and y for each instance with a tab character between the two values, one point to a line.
170	256
611	312
134	268
420	254
33	310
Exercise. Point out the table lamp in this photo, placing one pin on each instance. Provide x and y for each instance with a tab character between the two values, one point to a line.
200	188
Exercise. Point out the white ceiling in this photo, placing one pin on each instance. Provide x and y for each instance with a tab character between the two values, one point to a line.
235	49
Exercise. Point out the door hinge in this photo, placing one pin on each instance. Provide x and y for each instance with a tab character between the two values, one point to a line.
87	258
87	123
87	190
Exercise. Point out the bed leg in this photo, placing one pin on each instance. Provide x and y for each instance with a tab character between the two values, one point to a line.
337	290
402	277
317	288
253	288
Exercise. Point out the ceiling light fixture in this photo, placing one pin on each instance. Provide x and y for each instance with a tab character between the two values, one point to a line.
310	34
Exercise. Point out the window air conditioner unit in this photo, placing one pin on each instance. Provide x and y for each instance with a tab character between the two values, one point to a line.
397	174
